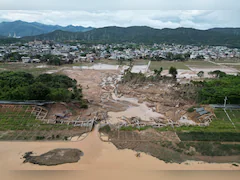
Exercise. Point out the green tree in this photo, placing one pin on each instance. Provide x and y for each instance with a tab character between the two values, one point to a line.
217	74
200	74
173	72
169	55
38	91
158	72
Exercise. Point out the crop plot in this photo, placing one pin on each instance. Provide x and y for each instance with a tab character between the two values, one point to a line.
20	123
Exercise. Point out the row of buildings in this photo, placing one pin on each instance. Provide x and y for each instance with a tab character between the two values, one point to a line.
81	52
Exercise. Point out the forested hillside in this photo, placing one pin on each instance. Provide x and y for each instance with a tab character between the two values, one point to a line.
142	34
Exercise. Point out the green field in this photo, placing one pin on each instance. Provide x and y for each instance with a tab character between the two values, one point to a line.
231	60
20	125
200	63
235	66
220	124
180	65
167	64
220	129
28	68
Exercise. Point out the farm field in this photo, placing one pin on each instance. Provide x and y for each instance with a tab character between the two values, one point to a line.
200	63
167	64
235	66
35	69
17	124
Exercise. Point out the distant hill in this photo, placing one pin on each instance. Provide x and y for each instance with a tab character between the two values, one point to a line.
21	28
235	31
142	34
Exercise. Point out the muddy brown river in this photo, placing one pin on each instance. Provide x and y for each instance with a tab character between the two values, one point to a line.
101	157
97	154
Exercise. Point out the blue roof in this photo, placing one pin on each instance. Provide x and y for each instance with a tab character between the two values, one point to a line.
200	109
203	112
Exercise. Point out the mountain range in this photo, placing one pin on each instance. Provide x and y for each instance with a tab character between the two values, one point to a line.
139	34
142	34
21	28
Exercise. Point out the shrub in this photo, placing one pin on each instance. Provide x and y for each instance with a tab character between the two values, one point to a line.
191	109
40	137
105	129
209	136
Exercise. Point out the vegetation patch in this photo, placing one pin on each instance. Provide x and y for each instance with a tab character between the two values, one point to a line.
212	148
167	64
209	136
24	86
105	129
214	91
131	128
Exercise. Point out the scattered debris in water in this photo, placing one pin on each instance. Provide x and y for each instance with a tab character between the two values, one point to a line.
138	154
235	165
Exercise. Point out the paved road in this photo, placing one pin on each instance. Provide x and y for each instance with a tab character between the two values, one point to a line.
228	106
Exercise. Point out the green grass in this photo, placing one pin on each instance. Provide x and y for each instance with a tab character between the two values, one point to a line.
231	60
21	120
24	126
215	126
220	129
220	124
28	67
167	64
235	116
130	128
210	136
200	63
141	62
235	66
180	65
212	148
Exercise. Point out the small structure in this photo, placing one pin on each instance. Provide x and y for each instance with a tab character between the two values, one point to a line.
201	111
36	61
26	59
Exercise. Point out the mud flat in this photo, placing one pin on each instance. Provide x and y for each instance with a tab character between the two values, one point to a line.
54	157
139	109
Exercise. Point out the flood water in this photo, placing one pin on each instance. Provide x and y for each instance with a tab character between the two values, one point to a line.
97	155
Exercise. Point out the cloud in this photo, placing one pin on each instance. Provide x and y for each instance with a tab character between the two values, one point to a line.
200	19
119	4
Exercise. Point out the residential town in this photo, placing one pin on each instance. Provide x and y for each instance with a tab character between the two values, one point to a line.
34	50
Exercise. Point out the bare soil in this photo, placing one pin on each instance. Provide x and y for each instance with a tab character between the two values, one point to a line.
90	82
168	99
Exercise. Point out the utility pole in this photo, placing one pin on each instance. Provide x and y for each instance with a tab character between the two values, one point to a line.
225	102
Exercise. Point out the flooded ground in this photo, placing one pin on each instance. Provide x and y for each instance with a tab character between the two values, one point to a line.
97	155
98	66
102	158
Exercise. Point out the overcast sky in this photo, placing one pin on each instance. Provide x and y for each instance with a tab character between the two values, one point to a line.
157	13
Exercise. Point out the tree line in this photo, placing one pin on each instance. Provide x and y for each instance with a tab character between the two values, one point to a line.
24	86
214	90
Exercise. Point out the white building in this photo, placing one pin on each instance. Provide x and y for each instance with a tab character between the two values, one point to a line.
26	59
